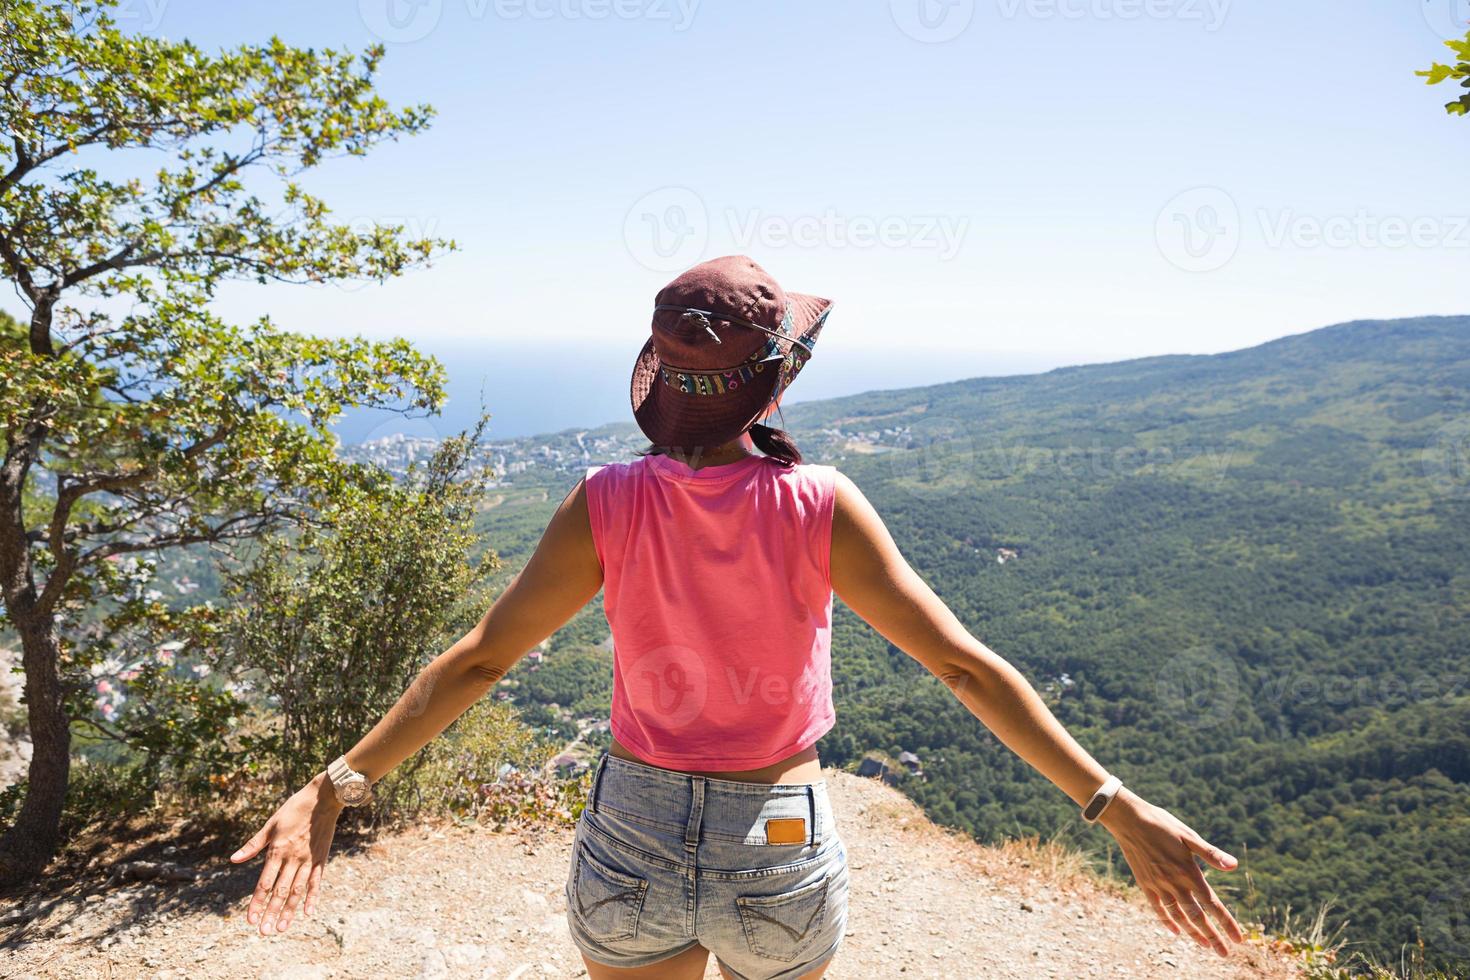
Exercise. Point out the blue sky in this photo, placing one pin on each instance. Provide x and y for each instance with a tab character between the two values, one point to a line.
984	187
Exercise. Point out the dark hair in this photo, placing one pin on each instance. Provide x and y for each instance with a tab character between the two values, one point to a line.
773	442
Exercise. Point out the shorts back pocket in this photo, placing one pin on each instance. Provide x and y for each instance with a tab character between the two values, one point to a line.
784	925
606	902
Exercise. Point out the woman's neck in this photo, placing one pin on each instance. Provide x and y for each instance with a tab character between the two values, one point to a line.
730	452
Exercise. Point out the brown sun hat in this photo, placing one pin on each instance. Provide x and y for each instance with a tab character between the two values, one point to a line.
726	341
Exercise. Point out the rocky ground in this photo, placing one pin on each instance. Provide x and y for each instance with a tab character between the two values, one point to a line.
468	902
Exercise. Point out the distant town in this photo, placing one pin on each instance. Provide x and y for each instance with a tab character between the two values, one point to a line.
536	459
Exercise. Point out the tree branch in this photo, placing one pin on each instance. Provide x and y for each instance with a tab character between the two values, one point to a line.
112	262
23	165
18	270
69	491
112	482
235	528
107	732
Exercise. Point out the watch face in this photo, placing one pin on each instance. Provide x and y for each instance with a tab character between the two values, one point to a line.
353	792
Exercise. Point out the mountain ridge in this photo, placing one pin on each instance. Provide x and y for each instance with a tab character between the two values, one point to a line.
1423	327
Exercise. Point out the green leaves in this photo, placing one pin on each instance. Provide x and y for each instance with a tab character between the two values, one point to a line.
1438	73
79	88
163	425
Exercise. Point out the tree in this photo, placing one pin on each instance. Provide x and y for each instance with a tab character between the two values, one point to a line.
134	418
1437	73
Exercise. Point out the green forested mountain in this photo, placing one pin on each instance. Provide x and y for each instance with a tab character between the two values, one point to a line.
1243	580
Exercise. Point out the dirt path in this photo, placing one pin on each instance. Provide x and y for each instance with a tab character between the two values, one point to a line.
474	903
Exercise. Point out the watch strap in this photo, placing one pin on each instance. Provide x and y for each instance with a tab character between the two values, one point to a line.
338	770
341	774
1101	799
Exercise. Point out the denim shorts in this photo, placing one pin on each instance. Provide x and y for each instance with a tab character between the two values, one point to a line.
661	861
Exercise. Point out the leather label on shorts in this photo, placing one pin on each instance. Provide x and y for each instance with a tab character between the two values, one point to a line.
786	830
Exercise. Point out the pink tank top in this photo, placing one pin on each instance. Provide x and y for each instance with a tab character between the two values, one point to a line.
717	587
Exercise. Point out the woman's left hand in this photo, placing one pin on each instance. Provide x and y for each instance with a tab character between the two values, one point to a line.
296	841
1161	850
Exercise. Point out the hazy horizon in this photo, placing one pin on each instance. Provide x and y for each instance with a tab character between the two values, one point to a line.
592	382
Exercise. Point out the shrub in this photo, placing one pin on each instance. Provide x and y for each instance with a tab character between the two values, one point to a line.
491	768
330	628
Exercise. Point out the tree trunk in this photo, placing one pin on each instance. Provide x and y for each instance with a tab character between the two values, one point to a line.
30	843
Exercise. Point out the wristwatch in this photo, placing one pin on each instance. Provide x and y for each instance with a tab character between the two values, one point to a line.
352	787
1100	800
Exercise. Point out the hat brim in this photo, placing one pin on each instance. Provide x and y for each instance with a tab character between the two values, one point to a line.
690	422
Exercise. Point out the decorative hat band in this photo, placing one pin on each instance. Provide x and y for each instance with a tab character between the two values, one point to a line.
705	318
730	379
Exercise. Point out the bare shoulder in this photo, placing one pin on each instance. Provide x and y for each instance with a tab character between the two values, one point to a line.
575	501
850	505
861	542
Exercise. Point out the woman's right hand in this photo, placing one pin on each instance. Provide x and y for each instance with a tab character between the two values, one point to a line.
1161	850
296	841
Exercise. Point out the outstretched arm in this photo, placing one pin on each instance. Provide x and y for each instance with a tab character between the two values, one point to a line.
872	577
561	577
